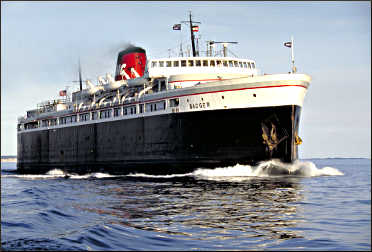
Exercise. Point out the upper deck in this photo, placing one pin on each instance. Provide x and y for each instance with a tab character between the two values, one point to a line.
165	67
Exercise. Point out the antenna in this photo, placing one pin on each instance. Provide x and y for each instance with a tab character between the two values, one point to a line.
294	69
290	45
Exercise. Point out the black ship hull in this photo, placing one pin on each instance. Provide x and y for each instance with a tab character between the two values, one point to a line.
168	143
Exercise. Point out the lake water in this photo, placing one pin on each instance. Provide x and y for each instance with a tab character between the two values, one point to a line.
315	204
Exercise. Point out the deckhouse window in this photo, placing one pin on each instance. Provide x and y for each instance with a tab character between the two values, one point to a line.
225	63
132	110
205	62
169	63
197	63
44	123
236	63
253	66
154	64
245	64
219	64
176	63
162	85
53	122
161	63
94	115
117	111
240	64
183	63
249	65
62	120
231	63
190	63
105	113
174	102
213	63
84	117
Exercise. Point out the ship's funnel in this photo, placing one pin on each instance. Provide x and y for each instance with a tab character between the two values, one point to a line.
132	61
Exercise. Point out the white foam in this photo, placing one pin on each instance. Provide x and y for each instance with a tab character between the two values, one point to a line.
158	176
267	169
103	175
238	172
56	172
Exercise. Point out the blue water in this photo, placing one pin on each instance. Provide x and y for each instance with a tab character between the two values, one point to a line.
317	204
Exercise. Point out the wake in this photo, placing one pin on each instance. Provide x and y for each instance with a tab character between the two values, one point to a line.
271	168
266	169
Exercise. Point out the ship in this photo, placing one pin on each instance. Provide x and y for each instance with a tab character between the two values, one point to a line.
167	115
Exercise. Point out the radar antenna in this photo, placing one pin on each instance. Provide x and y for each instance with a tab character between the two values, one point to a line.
224	44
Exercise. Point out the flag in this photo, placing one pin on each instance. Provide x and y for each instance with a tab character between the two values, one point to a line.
177	27
195	28
62	93
288	44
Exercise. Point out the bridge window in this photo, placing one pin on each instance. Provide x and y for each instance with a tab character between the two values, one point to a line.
183	63
190	63
219	64
213	63
240	64
231	63
161	63
245	64
249	65
253	66
197	63
176	63
225	63
205	62
154	64
236	63
169	63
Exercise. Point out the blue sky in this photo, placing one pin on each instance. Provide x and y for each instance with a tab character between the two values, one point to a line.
41	43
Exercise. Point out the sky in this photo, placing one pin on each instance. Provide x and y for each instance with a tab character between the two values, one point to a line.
41	43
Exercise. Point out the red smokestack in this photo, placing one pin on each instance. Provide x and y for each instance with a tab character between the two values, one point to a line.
128	59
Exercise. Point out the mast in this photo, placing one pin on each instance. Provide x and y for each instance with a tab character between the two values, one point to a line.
80	80
192	34
192	38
